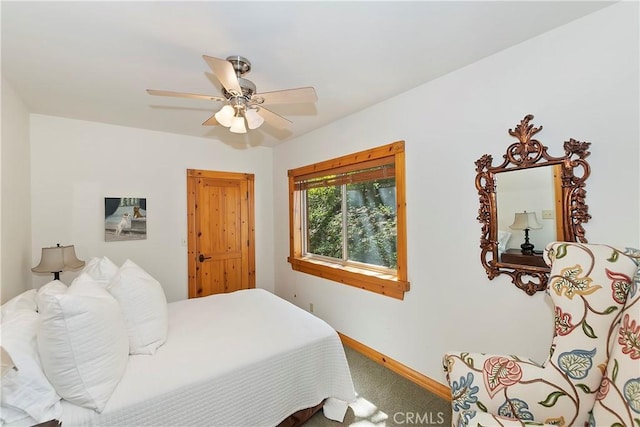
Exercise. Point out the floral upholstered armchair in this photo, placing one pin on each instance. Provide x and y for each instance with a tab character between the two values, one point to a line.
592	374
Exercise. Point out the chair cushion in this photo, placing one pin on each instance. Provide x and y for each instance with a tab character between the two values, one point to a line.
483	419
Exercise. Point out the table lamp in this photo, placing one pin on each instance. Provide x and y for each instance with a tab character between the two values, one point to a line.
526	221
57	259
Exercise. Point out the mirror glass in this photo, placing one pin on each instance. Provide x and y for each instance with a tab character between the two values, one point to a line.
528	201
526	190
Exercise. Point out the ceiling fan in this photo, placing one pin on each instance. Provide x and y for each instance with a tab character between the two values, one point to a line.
241	102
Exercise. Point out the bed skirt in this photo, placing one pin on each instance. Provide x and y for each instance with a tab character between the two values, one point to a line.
299	418
294	420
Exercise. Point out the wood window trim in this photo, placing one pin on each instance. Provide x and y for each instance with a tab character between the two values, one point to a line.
382	283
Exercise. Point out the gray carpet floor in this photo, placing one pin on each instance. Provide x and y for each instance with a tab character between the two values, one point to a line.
386	399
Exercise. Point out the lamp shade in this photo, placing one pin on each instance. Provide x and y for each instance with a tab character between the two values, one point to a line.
71	261
225	115
58	258
525	221
238	125
254	120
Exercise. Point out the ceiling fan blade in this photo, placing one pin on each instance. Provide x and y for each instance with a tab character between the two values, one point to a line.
301	95
184	95
211	121
225	73
274	119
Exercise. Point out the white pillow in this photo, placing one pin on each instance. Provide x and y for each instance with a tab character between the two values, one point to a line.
82	341
6	362
101	270
85	278
144	306
503	239
53	287
24	301
26	392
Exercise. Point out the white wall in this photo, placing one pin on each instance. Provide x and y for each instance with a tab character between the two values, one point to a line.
76	164
15	250
579	81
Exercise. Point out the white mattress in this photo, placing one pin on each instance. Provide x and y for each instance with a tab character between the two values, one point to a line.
246	358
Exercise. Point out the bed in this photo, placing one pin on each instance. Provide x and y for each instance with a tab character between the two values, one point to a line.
246	358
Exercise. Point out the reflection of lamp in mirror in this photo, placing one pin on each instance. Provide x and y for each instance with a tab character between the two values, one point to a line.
57	259
526	221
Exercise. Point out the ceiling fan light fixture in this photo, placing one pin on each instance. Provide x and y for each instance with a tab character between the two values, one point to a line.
238	125
254	120
241	101
225	115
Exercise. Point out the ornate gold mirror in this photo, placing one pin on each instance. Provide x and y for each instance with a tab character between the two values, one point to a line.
527	201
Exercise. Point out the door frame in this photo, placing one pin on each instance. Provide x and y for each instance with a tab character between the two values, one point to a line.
192	247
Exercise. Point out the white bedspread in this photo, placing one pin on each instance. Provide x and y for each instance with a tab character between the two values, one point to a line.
245	358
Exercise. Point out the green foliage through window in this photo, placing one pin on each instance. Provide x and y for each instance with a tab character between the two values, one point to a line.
353	222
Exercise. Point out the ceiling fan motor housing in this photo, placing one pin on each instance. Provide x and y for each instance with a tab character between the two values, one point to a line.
248	89
240	64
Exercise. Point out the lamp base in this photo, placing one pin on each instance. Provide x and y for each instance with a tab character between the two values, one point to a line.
527	248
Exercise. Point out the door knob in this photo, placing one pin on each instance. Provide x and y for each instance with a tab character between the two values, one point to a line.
201	258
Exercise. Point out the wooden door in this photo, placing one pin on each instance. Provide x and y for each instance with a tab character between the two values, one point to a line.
220	232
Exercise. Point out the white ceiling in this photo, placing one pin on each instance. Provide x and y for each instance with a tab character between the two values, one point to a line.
93	60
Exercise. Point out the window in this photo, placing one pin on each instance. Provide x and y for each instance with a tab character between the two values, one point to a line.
347	220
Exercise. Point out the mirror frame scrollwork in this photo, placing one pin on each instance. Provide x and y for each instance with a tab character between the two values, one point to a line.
524	154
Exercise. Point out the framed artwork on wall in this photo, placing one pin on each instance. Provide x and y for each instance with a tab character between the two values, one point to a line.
125	218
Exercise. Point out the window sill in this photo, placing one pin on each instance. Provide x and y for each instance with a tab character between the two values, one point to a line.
383	284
